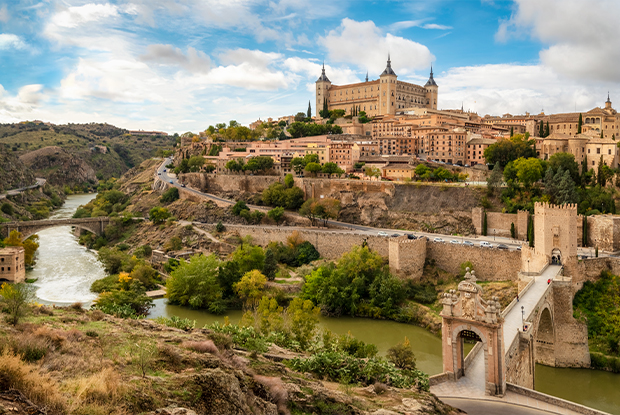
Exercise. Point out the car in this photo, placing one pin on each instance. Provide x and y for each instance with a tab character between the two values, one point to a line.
383	233
170	181
438	240
502	246
519	248
410	236
164	170
485	244
182	184
455	242
159	174
468	243
395	235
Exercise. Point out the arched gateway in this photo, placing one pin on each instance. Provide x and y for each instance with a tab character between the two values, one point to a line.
466	315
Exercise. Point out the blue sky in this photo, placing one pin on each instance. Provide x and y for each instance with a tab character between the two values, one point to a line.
181	65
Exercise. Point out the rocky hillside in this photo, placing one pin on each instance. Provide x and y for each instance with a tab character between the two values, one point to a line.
109	151
59	167
13	173
72	361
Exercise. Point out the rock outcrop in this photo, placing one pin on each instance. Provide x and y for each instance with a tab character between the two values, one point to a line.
59	167
13	172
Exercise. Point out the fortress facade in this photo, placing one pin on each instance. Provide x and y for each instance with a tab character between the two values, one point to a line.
383	96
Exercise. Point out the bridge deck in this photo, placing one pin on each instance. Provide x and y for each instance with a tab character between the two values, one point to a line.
472	385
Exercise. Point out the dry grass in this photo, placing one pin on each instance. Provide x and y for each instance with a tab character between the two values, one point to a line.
27	346
77	306
170	355
39	388
380	388
99	392
96	315
278	392
206	346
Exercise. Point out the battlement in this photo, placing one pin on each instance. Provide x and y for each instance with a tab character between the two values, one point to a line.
542	208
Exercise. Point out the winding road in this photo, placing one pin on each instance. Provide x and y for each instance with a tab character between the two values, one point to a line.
40	182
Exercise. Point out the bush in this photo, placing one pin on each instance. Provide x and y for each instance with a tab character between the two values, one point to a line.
124	304
195	283
238	207
177	322
206	346
7	208
245	337
219	228
402	355
14	299
170	195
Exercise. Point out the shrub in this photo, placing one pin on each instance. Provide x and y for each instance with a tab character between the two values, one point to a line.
238	207
170	354
221	340
123	247
15	298
195	283
206	346
7	208
219	228
77	306
170	195
124	304
177	322
402	355
245	337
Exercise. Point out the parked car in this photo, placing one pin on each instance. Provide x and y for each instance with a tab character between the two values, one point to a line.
438	240
410	236
182	184
159	174
468	243
502	246
383	233
170	181
455	242
519	248
485	244
164	170
395	235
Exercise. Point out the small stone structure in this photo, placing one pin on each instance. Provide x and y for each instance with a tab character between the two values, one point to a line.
466	314
407	256
12	264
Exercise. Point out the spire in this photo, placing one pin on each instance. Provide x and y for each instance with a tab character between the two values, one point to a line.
461	106
388	69
431	81
608	100
323	77
366	76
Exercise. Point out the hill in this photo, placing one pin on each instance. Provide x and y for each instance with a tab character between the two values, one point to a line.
108	150
13	173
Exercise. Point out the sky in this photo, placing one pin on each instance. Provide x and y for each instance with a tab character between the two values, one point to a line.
182	65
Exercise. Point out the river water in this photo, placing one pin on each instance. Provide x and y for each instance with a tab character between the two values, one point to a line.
65	271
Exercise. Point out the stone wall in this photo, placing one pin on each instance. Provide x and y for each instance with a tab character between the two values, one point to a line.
317	188
532	263
330	244
407	256
499	223
223	183
604	232
571	336
520	364
590	269
489	264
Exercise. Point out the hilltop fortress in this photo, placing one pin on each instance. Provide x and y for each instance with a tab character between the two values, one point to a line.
383	96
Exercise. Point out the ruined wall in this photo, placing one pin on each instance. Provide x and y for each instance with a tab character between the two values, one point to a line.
330	244
590	269
317	188
490	264
571	336
407	256
604	232
196	181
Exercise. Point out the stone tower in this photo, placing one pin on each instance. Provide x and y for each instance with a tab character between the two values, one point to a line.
387	90
608	103
431	92
322	88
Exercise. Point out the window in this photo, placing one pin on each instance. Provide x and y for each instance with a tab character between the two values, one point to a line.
598	151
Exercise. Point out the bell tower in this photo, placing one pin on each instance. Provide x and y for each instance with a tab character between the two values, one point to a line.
322	95
387	90
432	90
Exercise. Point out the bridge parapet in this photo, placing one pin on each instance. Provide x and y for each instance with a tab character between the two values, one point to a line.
28	228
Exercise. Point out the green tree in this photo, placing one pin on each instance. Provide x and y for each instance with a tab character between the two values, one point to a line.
276	214
271	265
309	112
300	116
195	282
159	214
529	171
170	195
234	165
372	172
238	207
14	299
566	189
313	168
251	287
547	129
541	132
584	233
325	111
484	224
259	163
495	179
29	244
505	151
579	124
330	168
512	131
512	230
402	355
249	257
303	318
228	275
194	163
567	162
289	180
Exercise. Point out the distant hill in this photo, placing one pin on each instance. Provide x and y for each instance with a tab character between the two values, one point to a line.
56	152
13	173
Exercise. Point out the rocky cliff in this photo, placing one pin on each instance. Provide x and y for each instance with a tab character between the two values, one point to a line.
59	167
13	172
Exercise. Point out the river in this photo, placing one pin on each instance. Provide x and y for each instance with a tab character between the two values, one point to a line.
65	271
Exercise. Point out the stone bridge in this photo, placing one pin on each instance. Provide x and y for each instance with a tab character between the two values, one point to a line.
28	228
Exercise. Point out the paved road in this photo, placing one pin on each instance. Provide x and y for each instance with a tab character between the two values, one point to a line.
488	407
12	192
512	244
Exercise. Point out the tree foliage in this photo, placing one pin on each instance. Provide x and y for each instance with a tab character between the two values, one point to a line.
505	151
195	283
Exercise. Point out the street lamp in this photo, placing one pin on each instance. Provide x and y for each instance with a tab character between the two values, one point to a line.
523	317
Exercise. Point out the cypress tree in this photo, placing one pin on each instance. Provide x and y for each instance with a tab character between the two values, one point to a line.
601	133
325	109
596	252
541	133
613	137
484	224
309	110
584	233
512	230
512	131
547	129
579	124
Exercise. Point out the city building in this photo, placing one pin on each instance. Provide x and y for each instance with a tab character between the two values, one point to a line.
383	96
475	150
12	264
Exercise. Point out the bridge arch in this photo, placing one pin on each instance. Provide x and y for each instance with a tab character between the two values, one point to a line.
544	337
458	349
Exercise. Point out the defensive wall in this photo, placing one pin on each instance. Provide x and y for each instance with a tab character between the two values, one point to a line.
406	257
603	230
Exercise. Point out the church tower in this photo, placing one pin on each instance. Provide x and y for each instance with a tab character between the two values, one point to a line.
387	90
608	103
322	94
431	92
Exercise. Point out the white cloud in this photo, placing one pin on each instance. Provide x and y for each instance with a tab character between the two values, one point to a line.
253	57
363	44
497	89
23	103
76	16
4	14
312	71
436	26
583	37
11	41
193	61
